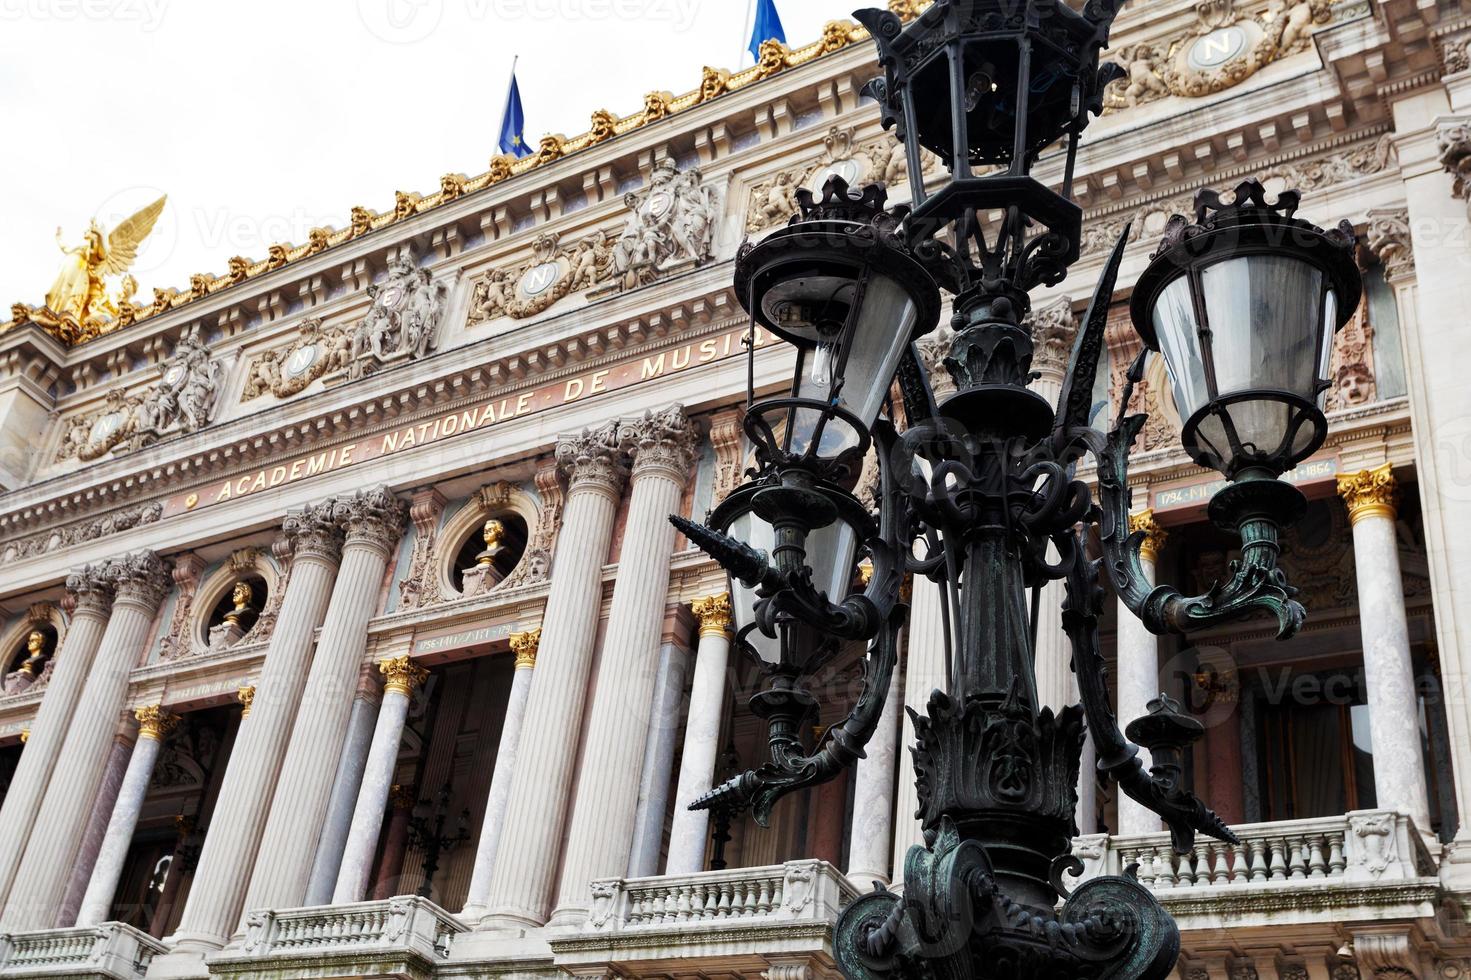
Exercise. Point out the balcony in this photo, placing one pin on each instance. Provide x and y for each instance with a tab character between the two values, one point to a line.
1368	866
112	951
740	922
401	937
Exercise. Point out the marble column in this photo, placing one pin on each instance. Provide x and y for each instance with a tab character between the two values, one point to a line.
689	834
828	816
524	874
872	837
345	786
154	725
401	677
1389	672
395	843
524	646
658	767
91	594
313	541
600	838
96	831
1138	672
140	580
924	673
373	522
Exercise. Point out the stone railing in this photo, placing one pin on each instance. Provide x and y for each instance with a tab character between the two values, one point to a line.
114	951
1377	854
392	931
809	891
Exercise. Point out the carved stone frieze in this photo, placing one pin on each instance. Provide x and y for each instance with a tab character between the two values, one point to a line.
728	440
665	441
536	564
1054	328
594	459
402	324
183	399
1352	370
671	227
45	542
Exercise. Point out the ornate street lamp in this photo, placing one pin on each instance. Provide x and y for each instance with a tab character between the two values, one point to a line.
979	491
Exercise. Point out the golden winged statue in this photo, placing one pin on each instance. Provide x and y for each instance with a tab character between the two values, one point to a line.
79	300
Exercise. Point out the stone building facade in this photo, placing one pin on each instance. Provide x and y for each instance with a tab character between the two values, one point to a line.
343	633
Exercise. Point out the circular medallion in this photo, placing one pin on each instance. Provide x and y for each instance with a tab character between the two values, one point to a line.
390	297
104	428
1217	48
849	170
301	360
540	278
174	375
660	203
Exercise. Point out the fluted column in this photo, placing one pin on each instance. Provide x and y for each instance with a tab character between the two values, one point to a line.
924	673
1138	670
526	861
600	838
524	646
690	831
658	766
154	725
345	788
92	593
401	676
872	835
314	538
1389	671
373	522
95	833
141	580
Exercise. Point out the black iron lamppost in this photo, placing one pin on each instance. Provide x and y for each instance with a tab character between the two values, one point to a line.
427	833
1242	302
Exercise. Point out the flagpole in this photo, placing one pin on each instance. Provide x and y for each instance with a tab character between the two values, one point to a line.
506	103
749	28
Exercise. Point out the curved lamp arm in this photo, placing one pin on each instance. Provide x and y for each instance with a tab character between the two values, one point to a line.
791	768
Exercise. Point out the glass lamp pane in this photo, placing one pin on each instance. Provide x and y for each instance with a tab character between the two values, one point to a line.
1330	330
1265	313
761	536
1179	341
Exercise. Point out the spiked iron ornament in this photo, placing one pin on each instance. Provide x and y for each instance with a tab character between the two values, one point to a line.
978	493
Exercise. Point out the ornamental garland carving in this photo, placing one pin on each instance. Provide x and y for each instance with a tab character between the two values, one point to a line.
552	272
287	371
1224	48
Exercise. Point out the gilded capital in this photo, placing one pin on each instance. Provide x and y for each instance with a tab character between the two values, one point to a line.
593	460
156	723
1154	535
1369	493
714	613
525	647
401	675
661	441
246	696
25	735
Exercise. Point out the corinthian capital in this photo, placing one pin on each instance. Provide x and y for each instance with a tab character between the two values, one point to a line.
373	517
141	577
593	459
89	590
1454	138
665	441
314	532
1054	329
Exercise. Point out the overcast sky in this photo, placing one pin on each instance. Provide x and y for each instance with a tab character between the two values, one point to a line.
262	119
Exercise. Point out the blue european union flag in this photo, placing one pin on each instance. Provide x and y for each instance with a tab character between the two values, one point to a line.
513	125
767	27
